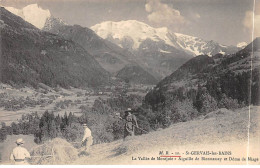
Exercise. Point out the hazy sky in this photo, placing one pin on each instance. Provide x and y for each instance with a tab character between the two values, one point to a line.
225	21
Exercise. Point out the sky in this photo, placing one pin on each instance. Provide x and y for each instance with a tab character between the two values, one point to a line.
225	21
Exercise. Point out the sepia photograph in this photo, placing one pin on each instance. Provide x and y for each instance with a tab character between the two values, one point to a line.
129	82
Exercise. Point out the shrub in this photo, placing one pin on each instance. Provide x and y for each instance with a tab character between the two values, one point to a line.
182	111
228	103
79	94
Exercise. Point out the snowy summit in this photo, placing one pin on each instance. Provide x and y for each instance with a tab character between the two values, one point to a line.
133	29
133	33
32	14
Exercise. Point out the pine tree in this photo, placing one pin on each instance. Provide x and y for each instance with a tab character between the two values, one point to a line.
208	104
70	119
65	119
199	102
3	132
58	123
204	101
15	128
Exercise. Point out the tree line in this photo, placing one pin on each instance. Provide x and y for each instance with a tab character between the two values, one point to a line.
105	125
228	90
46	127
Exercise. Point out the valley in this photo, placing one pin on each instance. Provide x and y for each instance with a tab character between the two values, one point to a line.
16	103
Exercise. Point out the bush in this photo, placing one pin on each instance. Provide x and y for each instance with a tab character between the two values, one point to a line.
204	102
73	133
228	103
209	104
183	111
118	129
101	126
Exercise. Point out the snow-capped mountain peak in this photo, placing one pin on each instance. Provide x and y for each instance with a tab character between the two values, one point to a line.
32	14
131	30
131	34
191	43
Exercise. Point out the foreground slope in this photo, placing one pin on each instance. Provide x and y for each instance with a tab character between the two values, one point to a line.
31	56
235	133
220	130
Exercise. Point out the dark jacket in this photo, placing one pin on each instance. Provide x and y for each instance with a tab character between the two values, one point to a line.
131	122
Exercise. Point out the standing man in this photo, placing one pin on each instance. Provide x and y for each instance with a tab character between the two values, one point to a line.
87	140
19	153
130	123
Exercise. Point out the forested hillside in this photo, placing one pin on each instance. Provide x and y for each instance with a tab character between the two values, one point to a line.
31	56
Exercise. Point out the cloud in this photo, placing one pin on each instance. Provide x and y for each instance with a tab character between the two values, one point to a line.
248	22
162	14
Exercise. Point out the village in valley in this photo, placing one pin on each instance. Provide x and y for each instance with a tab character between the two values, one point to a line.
16	103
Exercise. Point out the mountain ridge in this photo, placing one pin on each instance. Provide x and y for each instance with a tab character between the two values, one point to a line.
31	56
214	80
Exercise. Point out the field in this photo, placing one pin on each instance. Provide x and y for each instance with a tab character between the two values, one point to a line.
16	102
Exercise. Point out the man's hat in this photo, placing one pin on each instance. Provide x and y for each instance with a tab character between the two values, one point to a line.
84	125
129	109
19	141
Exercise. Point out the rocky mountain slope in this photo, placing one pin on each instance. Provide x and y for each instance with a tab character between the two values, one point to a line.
235	75
31	56
110	56
135	74
53	22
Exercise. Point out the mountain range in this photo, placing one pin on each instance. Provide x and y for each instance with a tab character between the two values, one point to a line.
111	57
158	47
131	34
117	46
158	51
31	56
